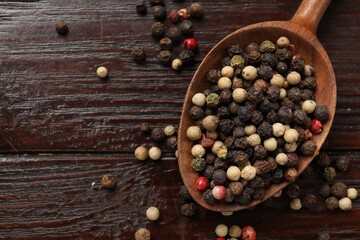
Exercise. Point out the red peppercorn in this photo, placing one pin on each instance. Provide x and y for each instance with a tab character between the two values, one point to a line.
205	141
308	134
316	126
191	44
202	183
184	14
248	233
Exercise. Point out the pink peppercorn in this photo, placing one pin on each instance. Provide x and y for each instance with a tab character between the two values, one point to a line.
316	126
191	44
206	142
202	183
219	192
248	233
184	14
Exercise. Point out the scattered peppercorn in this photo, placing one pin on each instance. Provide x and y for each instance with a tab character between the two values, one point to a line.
189	209
339	190
186	27
329	173
159	12
157	29
102	72
196	10
342	163
142	234
141	7
138	53
108	181
61	27
331	203
145	127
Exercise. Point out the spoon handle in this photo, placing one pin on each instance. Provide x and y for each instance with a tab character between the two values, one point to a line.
309	13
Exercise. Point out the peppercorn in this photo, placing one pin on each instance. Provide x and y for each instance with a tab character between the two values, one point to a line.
260	152
208	197
142	234
157	29
154	153
221	230
308	148
159	12
198	164
141	7
219	177
145	127
329	173
345	204
293	190
248	173
165	43
102	72
277	176
332	203
138	53
325	190
235	50
196	10
308	83
171	142
165	57
352	193
108	181
186	56
309	200
174	17
186	28
156	2
323	159
283	55
265	72
243	199
339	189
295	204
213	75
284	115
268	59
308	71
267	47
290	174
219	192
257	117
141	153
173	33
281	68
184	14
183	192
321	113
342	163
61	27
189	209
253	58
297	64
153	213
157	134
224	83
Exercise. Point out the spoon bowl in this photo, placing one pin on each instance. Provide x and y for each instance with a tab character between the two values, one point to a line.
301	30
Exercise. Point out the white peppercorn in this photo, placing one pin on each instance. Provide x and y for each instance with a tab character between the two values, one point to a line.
277	80
199	99
153	213
281	159
198	150
221	230
270	144
308	106
177	153
290	147
142	234
282	93
293	78
352	193
308	71
278	129
212	134
283	42
239	95
227	214
248	173
291	135
141	153
169	130
295	204
154	153
102	72
227	71
217	146
233	173
224	83
176	64
250	129
193	133
249	73
234	231
210	122
345	204
254	139
278	194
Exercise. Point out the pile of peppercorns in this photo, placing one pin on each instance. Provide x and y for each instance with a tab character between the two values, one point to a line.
253	122
170	35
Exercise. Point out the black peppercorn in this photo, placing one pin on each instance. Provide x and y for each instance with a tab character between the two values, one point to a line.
208	172
189	209
258	193
157	134
309	200
293	159
265	72
321	113
307	94
257	117
299	117
196	10
297	64
256	182
235	50
265	130
213	75
156	2
268	59
280	142
325	190
253	46
261	166
284	115
173	33
308	148
183	192
241	143
281	68
61	27
145	127
339	190
209	198
158	29
239	132
271	117
210	158
342	163
171	142
331	203
186	27
241	159
293	190
244	113
243	199
308	83
229	141
165	43
294	94
229	197
165	57
141	7
196	113
323	159
186	56
277	176
254	95
271	163
288	103
220	163
253	58
226	61
138	53
223	112
272	93
234	107
283	55
260	152
159	12
225	96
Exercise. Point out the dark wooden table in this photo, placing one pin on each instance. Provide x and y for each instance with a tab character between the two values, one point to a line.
62	128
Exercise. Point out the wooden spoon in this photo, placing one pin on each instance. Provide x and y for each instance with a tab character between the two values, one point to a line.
301	30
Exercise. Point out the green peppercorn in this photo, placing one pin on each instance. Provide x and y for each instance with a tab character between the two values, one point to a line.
212	100
198	164
267	47
108	181
329	173
237	61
